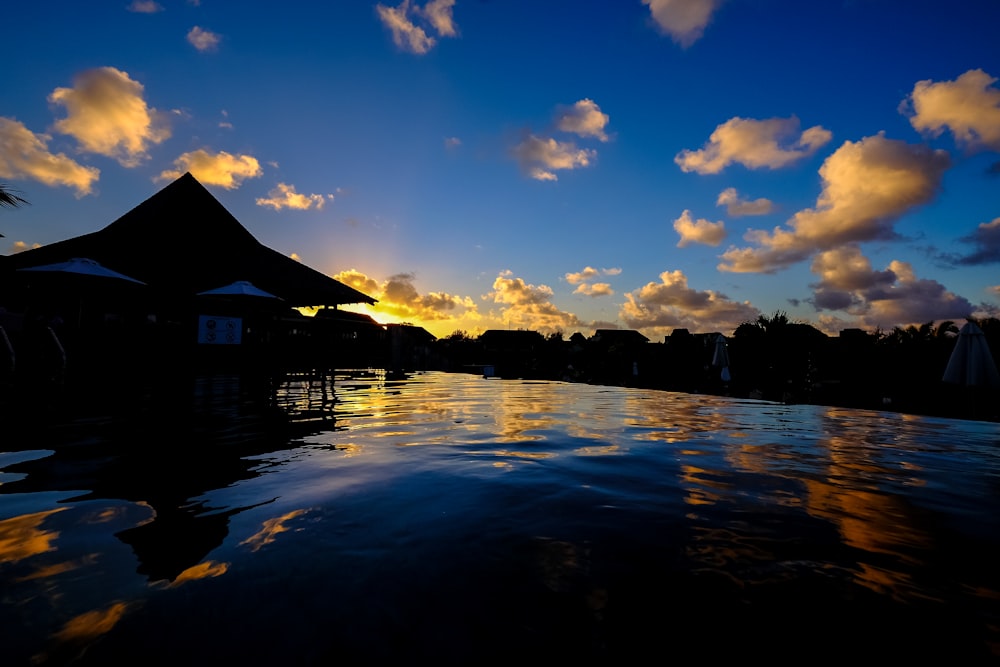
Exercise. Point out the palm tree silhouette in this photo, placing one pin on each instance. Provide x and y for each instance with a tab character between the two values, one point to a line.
8	198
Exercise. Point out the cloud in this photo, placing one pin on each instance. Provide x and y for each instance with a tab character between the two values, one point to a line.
756	144
405	34
452	142
438	13
987	239
683	20
994	289
284	197
529	307
589	273
409	36
670	304
24	154
887	298
584	118
969	107
699	231
540	157
359	281
738	207
515	292
846	276
586	288
145	7
203	40
594	289
107	115
21	246
222	169
867	186
399	298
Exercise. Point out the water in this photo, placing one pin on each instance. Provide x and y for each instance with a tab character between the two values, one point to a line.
356	519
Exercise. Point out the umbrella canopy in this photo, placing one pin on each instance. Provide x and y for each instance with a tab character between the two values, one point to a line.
971	363
83	266
720	357
239	288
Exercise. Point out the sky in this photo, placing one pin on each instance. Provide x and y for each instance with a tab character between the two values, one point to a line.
555	165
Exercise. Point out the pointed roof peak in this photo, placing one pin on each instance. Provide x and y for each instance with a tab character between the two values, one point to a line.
182	239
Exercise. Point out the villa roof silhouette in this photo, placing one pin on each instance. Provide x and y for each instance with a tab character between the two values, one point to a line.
182	241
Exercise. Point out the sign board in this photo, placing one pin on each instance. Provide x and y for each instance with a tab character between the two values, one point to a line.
214	330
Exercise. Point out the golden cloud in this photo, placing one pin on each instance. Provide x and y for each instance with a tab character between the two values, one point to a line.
222	169
406	34
698	231
584	118
588	273
439	14
399	298
24	154
284	196
540	157
737	206
581	278
528	306
359	281
867	186
107	115
594	289
756	144
516	292
669	304
969	107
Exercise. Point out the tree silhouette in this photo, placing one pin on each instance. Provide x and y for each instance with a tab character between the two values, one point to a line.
9	198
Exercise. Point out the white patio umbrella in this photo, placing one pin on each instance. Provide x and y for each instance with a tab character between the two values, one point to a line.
971	363
239	288
80	278
83	266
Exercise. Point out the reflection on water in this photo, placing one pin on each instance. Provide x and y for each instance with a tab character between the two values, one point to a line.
314	520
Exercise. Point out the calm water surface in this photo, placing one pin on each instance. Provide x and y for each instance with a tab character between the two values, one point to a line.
356	519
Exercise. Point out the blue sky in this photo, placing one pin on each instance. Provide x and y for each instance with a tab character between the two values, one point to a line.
551	165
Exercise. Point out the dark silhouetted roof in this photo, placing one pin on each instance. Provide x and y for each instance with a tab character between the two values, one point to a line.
619	336
182	241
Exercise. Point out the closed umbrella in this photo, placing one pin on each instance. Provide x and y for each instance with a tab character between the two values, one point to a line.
971	363
720	357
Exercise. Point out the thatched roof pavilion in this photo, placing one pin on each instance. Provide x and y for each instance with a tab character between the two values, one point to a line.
216	250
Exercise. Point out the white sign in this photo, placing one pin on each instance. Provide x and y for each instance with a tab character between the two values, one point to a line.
214	330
